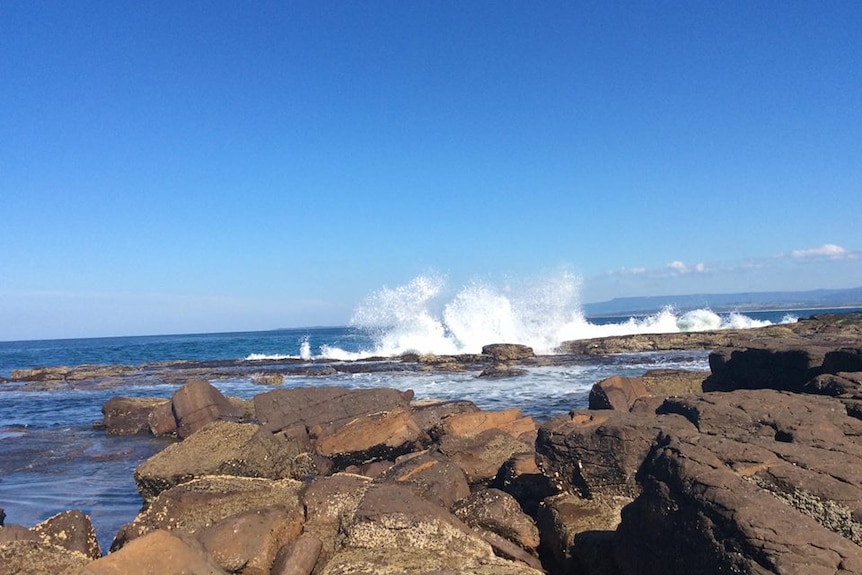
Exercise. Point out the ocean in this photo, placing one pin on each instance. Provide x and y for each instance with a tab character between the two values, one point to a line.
52	459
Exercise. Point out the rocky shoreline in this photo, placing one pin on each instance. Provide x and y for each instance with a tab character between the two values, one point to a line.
754	467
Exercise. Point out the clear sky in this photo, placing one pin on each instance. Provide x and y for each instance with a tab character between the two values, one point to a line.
214	165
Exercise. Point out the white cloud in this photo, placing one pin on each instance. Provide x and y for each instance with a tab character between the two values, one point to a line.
678	267
830	251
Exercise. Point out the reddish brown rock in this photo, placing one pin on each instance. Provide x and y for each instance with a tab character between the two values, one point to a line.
299	557
71	530
521	478
157	552
372	437
430	416
509	420
249	541
617	392
430	476
197	404
323	406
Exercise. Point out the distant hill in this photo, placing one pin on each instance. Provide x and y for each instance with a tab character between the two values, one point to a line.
725	302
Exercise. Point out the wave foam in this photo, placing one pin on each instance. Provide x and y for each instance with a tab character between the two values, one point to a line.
418	318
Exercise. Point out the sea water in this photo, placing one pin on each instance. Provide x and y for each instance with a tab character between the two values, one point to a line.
52	460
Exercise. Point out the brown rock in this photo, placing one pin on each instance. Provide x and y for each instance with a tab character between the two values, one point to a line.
371	437
28	557
430	416
521	478
838	384
468	424
299	557
576	533
249	541
481	456
71	530
157	552
502	370
720	522
129	415
599	452
323	406
430	476
161	420
499	512
508	351
617	392
222	447
199	503
198	403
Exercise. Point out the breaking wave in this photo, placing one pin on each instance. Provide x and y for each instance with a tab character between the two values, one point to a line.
424	316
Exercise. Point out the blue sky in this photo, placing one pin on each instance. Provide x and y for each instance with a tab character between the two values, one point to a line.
213	166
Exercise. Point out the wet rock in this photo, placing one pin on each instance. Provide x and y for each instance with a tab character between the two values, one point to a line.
35	558
323	406
617	392
200	503
481	456
130	415
156	552
499	512
430	476
501	370
241	449
502	352
249	541
197	404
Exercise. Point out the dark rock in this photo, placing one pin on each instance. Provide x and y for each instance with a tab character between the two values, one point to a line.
323	406
834	385
2	516
720	521
430	476
501	352
616	392
573	530
500	513
521	478
130	415
772	365
501	370
197	404
598	452
161	420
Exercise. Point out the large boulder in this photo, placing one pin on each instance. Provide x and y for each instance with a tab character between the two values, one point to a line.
319	408
481	456
511	421
224	448
720	521
430	476
200	503
617	392
157	552
395	531
197	404
498	512
30	557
